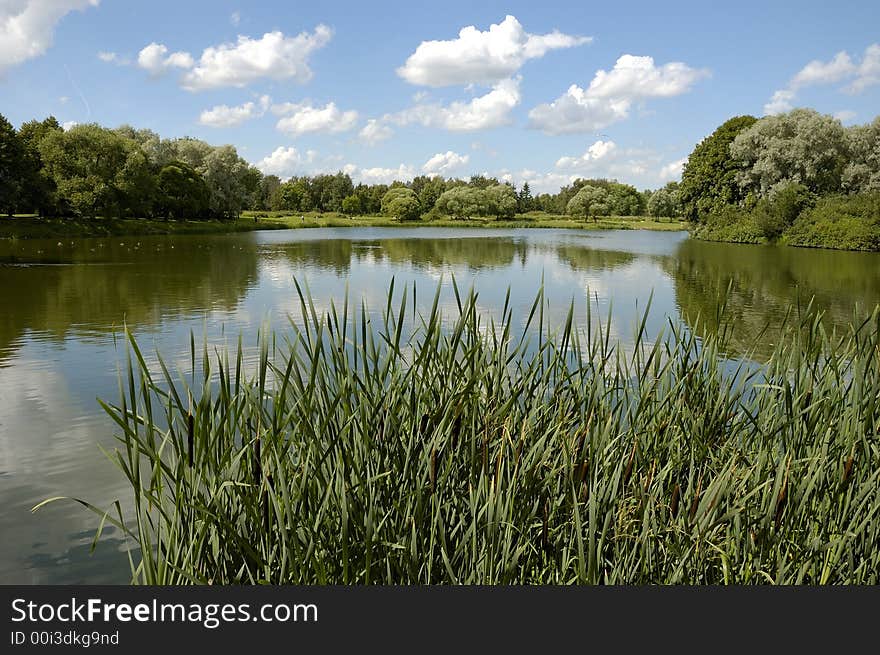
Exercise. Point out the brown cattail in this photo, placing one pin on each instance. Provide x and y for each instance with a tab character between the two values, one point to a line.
433	471
190	438
673	504
847	470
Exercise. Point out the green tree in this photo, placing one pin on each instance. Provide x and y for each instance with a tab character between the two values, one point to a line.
401	203
664	203
862	172
269	186
524	201
352	205
501	199
709	180
589	202
430	191
463	202
95	170
12	164
182	193
39	187
798	147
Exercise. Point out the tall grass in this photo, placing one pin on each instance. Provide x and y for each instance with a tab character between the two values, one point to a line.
454	449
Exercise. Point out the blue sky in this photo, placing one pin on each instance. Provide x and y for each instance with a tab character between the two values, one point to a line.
554	91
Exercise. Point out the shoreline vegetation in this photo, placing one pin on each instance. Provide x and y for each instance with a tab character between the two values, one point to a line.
445	448
796	179
89	172
32	227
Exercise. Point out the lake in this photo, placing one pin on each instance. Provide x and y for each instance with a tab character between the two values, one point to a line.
64	305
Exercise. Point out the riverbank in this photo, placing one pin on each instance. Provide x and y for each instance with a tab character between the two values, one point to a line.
29	227
834	222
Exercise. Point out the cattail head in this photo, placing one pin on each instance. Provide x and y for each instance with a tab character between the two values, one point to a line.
673	504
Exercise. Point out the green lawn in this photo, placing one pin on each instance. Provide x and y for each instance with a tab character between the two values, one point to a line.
32	227
532	219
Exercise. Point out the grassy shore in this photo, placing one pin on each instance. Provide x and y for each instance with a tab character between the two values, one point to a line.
29	227
447	449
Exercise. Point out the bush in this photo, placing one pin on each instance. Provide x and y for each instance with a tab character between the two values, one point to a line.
843	222
730	224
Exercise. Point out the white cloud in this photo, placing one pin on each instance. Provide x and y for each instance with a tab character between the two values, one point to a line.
483	112
155	59
66	125
605	159
27	27
481	57
840	67
637	77
845	115
303	118
274	56
108	57
374	132
780	102
596	152
672	170
285	162
611	95
868	73
226	116
818	72
380	175
235	18
443	163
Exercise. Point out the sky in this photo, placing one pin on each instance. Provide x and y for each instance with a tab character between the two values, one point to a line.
543	92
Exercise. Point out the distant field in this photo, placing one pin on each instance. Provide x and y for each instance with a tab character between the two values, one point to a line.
532	219
32	227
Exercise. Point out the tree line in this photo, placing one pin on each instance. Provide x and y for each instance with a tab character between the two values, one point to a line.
800	177
89	171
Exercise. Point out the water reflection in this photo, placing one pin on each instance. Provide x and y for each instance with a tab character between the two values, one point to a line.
765	283
63	306
87	285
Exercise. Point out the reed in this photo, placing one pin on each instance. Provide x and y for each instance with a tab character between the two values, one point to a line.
423	448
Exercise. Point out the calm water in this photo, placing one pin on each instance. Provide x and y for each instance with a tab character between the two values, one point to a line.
63	305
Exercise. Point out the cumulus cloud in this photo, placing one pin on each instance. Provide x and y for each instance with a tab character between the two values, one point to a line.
274	56
374	132
672	170
483	57
483	112
226	116
379	175
304	118
27	27
443	163
780	102
868	73
596	152
605	159
155	59
285	162
839	68
611	94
